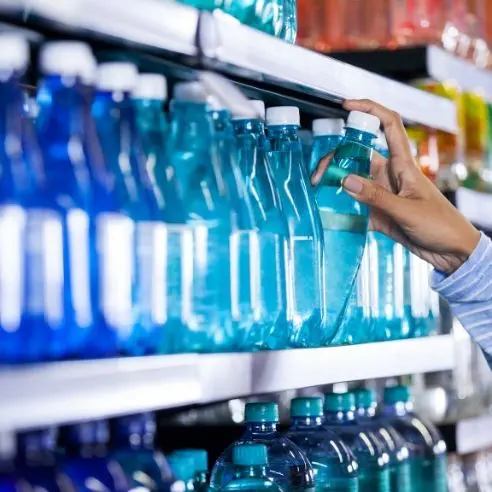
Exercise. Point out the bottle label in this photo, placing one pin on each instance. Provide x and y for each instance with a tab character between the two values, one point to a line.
333	221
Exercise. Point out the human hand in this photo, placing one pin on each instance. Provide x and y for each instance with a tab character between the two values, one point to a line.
405	205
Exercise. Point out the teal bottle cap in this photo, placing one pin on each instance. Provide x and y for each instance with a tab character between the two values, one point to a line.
261	412
395	394
339	402
199	457
306	407
364	398
183	467
250	455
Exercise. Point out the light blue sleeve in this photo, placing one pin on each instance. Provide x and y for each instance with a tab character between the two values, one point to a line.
469	293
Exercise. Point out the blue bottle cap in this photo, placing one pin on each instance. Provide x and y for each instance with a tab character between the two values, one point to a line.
250	455
183	467
364	398
339	402
306	407
261	412
199	457
396	394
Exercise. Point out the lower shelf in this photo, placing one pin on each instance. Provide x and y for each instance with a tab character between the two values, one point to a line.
57	393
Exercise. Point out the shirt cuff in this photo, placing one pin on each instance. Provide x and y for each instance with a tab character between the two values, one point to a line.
464	285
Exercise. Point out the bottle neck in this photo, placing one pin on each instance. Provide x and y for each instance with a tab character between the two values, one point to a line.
36	448
353	135
365	413
284	132
339	417
398	409
258	471
191	127
222	123
299	423
87	439
248	127
134	432
151	119
262	427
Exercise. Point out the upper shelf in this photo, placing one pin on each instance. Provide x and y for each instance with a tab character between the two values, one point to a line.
57	393
219	41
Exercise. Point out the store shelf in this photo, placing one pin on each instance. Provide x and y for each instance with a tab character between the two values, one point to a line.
65	392
476	207
468	435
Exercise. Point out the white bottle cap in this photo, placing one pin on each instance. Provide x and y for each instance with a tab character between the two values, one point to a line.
381	142
190	91
214	103
283	115
68	59
258	108
117	77
328	126
151	86
14	52
363	122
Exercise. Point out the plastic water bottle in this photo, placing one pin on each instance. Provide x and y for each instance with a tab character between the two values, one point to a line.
344	219
427	448
289	16
306	138
85	459
200	460
374	475
327	135
287	464
273	327
393	442
334	465
250	469
132	447
299	207
32	318
183	468
244	244
193	155
141	246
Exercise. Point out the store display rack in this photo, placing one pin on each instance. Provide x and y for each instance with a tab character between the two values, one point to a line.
469	435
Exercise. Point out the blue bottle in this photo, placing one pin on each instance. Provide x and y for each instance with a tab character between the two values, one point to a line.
393	442
250	473
35	460
201	476
273	327
137	210
289	24
244	245
193	154
428	457
373	461
344	219
306	138
417	283
183	468
132	447
334	465
287	464
302	216
32	324
327	135
85	459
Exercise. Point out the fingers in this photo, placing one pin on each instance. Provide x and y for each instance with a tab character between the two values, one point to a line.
321	168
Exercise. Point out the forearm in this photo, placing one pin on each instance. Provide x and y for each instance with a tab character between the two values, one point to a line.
469	293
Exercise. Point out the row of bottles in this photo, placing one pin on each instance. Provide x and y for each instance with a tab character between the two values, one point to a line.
470	472
345	444
275	17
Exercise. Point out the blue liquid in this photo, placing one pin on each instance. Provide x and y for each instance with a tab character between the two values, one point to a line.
273	327
306	138
193	154
344	223
300	210
322	146
289	16
417	294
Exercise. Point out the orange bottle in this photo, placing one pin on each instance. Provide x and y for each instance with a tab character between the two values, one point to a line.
330	18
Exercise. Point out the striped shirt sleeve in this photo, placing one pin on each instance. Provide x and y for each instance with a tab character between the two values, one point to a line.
469	293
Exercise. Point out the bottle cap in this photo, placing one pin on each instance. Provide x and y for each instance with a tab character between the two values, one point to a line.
364	398
396	394
328	126
250	455
283	115
151	86
258	107
190	91
363	122
306	407
117	77
261	412
68	59
339	402
183	467
14	52
199	457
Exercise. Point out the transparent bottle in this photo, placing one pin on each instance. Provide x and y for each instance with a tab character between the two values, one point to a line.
287	464
132	447
428	457
374	475
193	154
201	477
344	220
32	321
327	135
393	443
273	328
335	468
250	462
289	28
183	468
301	212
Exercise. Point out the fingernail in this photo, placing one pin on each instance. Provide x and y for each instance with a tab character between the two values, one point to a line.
353	184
